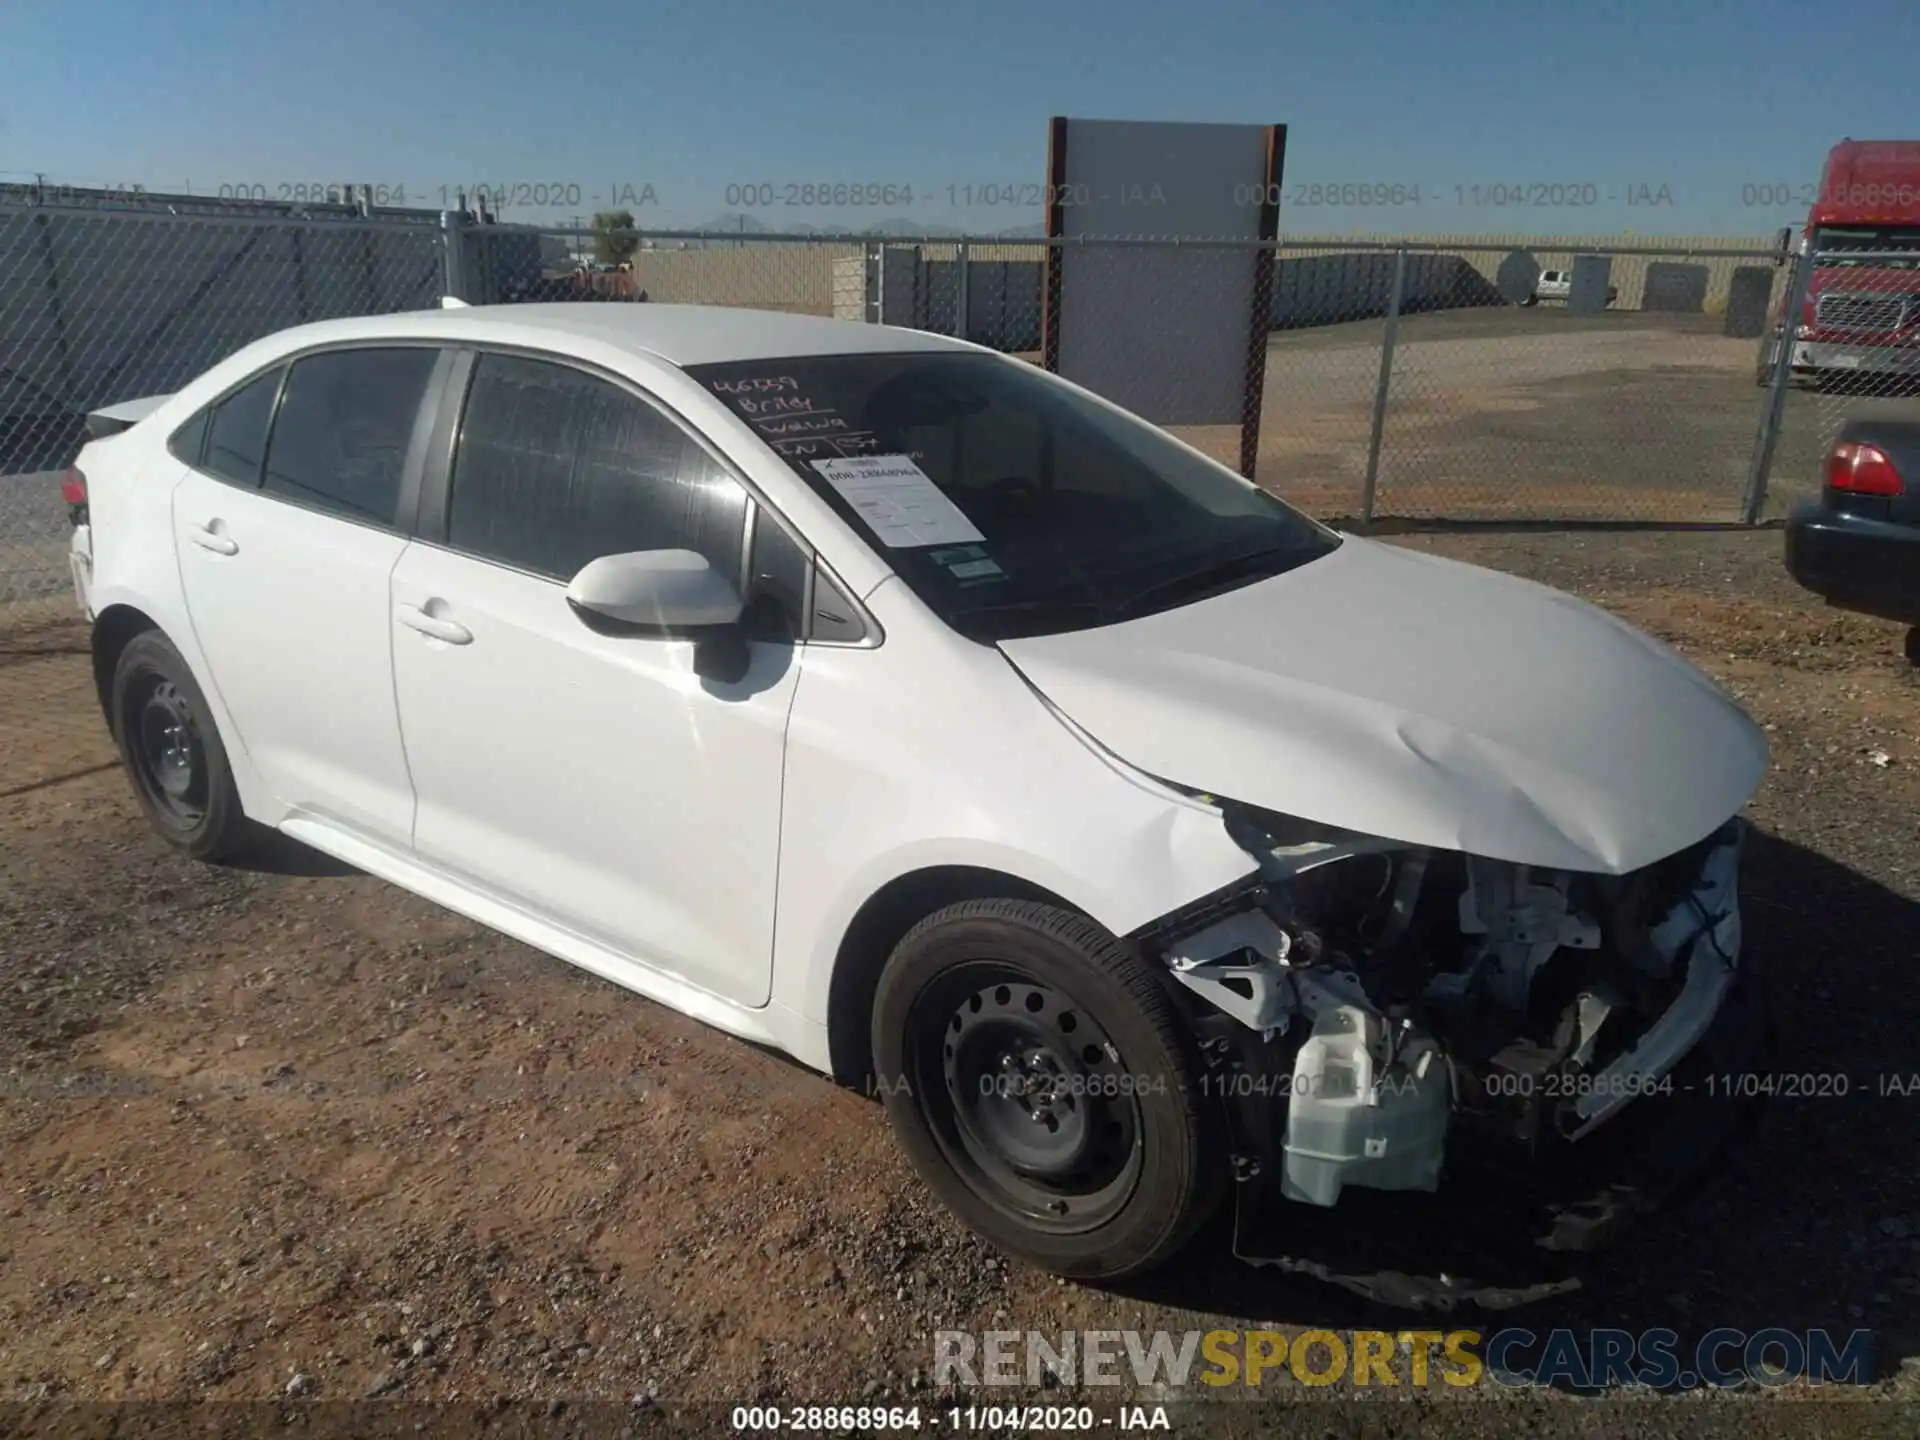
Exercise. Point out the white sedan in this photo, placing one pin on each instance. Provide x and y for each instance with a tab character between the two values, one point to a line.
1558	285
892	702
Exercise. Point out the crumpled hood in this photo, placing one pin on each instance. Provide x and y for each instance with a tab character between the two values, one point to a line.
1420	699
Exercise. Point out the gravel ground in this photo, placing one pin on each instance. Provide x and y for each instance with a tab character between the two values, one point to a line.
285	1131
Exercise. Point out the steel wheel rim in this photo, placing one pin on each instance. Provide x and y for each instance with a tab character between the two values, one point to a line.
169	760
1028	1097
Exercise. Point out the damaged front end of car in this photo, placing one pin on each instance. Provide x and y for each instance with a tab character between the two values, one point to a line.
1410	1045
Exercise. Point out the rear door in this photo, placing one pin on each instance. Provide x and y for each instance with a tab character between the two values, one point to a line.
288	527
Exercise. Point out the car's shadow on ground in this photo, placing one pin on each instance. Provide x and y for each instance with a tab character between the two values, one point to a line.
277	854
1816	1225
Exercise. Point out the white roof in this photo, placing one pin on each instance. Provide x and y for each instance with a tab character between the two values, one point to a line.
678	334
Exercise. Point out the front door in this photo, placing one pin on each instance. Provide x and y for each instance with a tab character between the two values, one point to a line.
594	779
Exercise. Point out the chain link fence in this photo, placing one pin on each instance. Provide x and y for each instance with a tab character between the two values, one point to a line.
1406	381
98	307
1852	308
1484	380
1616	387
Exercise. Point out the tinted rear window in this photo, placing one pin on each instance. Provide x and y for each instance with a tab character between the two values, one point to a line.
340	440
237	434
190	440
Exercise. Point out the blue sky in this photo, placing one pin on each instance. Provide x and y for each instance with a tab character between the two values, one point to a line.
1610	101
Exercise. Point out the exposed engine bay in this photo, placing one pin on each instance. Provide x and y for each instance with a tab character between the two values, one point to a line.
1393	1003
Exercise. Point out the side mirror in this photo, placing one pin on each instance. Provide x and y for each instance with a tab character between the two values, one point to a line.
661	592
667	594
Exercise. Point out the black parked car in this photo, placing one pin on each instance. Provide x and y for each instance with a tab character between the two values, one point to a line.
1858	545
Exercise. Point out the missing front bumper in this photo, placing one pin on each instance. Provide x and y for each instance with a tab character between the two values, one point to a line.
1502	1231
1703	932
1508	1203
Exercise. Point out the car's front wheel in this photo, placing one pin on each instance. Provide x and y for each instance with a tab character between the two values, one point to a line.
1913	646
1042	1084
167	740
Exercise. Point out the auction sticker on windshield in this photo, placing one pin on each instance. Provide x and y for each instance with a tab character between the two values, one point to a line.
898	500
968	564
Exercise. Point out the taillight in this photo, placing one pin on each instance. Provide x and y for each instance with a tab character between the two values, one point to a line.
1863	470
73	486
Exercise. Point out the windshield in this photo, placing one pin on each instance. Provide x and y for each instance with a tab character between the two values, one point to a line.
1009	503
1833	242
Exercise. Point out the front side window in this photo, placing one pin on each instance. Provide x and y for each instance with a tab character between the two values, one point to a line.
237	432
340	439
777	580
1010	503
555	467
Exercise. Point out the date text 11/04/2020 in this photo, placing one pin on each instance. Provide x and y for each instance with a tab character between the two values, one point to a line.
624	194
826	194
962	1419
805	195
1731	1085
1539	195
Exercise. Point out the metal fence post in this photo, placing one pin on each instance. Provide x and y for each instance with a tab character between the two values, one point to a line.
302	306
1387	341
370	266
453	254
1768	439
960	290
872	266
50	273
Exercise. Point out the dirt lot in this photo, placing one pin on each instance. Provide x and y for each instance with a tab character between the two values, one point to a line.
290	1127
1539	414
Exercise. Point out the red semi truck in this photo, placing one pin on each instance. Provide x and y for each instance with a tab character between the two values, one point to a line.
1860	317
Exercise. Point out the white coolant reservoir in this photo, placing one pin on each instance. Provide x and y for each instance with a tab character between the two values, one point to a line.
1347	1125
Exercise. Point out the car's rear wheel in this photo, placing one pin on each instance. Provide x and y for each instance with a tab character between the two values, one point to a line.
167	740
1041	1083
1913	646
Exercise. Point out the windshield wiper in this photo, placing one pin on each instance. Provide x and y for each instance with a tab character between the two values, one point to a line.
1216	574
1193	583
1069	603
1057	612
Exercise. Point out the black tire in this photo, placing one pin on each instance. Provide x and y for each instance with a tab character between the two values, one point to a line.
173	754
1913	646
1091	1156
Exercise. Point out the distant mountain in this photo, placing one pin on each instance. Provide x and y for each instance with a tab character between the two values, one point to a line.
728	224
901	225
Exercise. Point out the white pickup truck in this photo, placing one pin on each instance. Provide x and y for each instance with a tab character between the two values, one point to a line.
1558	285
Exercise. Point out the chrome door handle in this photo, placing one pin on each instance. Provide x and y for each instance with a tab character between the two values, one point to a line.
451	631
207	538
